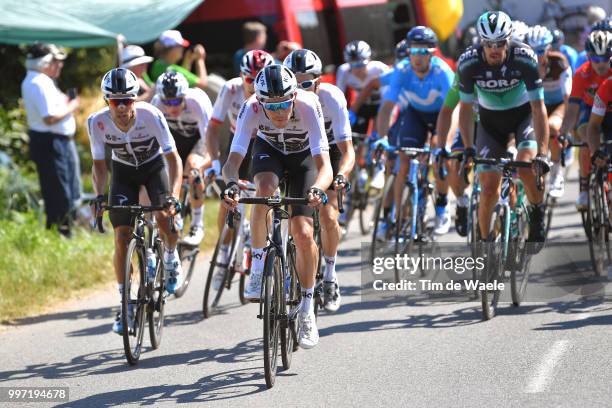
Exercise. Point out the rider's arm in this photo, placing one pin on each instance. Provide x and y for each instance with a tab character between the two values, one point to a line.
219	112
575	100
245	125
365	93
540	125
595	121
348	157
342	132
99	174
594	131
443	125
204	109
384	116
175	171
324	171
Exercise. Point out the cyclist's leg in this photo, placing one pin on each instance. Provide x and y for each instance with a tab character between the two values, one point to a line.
489	177
198	162
268	169
302	229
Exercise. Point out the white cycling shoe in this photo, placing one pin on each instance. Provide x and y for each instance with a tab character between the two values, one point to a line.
252	290
442	222
582	203
556	188
196	235
308	334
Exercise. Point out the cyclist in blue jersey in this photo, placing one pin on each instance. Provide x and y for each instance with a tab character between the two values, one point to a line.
418	87
556	75
504	76
570	53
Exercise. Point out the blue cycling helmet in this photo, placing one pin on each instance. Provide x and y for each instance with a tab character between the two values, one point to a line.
603	25
422	35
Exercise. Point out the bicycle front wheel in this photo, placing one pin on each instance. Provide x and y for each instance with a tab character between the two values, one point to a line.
188	256
492	273
598	227
403	231
521	256
133	302
157	300
212	295
291	306
272	305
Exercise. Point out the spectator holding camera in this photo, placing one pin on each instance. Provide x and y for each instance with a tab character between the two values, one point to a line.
170	49
51	128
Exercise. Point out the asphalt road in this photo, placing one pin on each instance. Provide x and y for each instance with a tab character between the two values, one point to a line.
399	351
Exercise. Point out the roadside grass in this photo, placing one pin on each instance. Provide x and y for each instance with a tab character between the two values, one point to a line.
39	268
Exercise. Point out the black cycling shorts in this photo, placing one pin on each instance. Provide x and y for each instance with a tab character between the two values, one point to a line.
495	127
184	145
335	156
299	169
365	113
125	186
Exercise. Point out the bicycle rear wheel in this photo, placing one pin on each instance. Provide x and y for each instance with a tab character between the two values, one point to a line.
292	304
272	304
188	256
133	302
493	270
366	210
157	300
403	231
521	257
550	206
379	217
598	227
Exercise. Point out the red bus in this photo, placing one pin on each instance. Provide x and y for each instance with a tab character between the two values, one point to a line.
323	26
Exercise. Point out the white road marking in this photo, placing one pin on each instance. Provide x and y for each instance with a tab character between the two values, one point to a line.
544	372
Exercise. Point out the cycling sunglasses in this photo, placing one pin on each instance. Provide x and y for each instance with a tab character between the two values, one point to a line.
276	106
358	64
421	51
172	101
598	58
308	84
494	44
121	101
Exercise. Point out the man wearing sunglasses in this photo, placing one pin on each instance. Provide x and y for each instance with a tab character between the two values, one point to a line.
556	74
585	83
504	76
355	73
139	138
187	111
307	67
418	87
228	103
290	140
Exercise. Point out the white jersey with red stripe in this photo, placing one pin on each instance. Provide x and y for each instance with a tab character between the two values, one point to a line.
335	113
229	102
148	137
305	129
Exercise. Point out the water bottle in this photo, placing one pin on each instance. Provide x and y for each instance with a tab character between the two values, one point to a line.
179	222
151	264
363	179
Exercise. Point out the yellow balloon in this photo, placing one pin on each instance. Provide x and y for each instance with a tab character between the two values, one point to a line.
443	16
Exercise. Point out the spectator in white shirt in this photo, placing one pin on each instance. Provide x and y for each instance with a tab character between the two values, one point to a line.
51	127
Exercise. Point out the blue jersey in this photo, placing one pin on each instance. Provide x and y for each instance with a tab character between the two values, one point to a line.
571	55
385	79
582	58
424	95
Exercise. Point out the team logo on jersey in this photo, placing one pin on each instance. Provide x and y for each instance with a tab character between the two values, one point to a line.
100	125
255	108
497	83
488	74
121	199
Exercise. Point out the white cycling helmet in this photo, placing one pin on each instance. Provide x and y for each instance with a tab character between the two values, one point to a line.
599	43
357	51
539	37
171	85
519	30
304	62
275	81
119	83
494	26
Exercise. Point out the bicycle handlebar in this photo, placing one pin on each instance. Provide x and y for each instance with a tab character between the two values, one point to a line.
132	209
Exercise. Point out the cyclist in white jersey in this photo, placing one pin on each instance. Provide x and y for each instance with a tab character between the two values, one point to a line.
187	111
139	138
290	140
228	103
355	73
307	67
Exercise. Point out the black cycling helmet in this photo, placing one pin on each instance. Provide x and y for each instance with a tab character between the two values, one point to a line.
422	35
304	62
357	51
275	81
119	83
603	25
